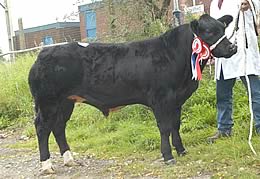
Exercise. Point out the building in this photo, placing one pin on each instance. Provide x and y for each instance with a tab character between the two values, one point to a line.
47	34
93	21
96	22
102	19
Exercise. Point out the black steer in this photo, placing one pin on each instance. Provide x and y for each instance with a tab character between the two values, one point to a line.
154	72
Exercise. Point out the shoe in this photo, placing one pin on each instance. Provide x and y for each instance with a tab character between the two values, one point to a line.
219	134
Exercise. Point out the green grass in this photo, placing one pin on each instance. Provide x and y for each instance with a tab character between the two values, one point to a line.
130	136
15	100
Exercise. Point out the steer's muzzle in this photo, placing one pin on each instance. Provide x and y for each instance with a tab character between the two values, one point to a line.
225	49
233	49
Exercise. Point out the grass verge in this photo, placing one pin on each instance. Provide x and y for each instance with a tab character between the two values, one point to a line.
131	137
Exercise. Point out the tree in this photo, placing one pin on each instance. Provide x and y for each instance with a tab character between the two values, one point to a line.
158	9
138	18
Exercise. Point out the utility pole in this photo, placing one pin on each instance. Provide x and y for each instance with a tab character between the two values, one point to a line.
176	13
9	26
193	2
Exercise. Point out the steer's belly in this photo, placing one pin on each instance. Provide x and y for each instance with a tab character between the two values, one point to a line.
79	99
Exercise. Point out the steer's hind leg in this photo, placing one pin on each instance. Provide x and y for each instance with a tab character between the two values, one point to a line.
176	139
43	125
64	112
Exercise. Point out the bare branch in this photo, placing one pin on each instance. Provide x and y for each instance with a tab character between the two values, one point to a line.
158	12
165	8
2	5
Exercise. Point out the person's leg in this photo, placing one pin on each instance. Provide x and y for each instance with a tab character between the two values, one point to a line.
255	94
224	93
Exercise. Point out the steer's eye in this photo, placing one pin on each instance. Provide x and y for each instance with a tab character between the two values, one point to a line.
209	33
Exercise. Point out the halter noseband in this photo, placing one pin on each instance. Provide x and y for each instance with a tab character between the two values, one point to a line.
212	47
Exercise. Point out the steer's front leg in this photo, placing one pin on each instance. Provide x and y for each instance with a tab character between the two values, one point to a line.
176	139
166	148
164	123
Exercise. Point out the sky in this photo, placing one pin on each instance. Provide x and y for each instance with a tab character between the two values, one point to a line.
35	13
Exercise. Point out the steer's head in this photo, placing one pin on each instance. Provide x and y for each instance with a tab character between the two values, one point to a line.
212	32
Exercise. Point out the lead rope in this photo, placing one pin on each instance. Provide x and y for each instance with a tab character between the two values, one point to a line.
249	95
247	80
252	116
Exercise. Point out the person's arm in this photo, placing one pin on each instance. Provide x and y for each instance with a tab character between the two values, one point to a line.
256	5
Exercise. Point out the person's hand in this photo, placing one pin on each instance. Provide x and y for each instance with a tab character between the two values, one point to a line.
245	5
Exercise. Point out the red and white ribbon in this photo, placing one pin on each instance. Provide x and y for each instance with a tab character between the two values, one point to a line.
200	51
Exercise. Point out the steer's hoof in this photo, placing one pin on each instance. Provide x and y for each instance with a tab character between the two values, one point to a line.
170	162
181	154
70	163
68	159
47	171
47	167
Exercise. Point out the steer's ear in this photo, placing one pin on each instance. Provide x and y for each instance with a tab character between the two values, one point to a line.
194	26
226	20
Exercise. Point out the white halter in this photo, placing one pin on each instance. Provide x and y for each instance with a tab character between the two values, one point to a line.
213	46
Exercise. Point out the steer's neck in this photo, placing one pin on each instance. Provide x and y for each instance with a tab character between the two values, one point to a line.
179	41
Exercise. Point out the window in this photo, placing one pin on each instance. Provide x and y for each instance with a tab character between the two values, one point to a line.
47	40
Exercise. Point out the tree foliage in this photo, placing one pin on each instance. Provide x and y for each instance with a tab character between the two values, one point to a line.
158	9
137	19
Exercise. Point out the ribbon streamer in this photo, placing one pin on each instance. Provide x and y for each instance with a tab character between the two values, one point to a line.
200	51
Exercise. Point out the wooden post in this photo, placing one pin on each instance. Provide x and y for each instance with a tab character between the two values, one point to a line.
21	34
9	27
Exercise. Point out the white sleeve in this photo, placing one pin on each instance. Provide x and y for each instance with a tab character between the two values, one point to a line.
257	5
213	9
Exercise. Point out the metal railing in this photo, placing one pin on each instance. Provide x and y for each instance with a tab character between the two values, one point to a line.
31	49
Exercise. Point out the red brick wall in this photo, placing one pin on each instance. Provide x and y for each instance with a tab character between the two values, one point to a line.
83	34
33	39
102	23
